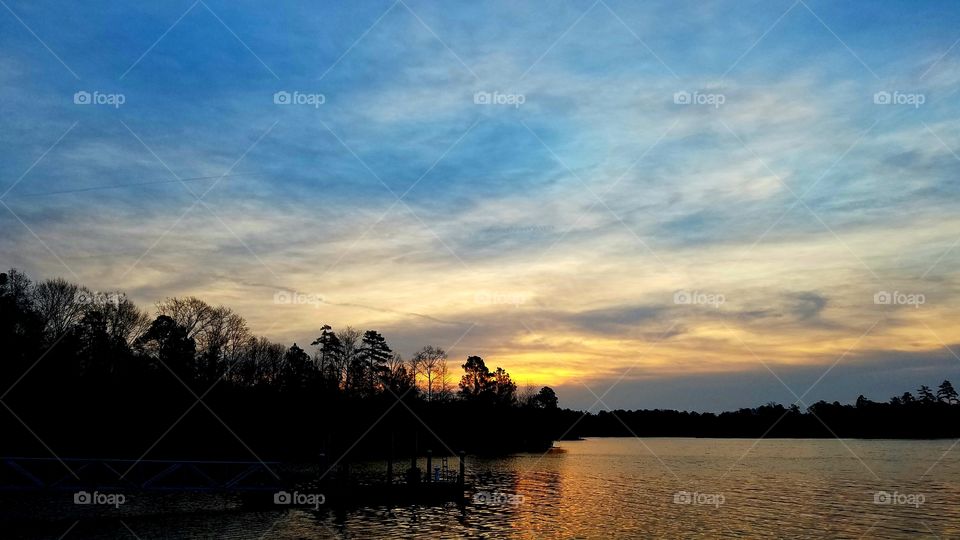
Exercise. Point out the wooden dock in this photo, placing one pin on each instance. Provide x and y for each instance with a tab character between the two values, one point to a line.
260	484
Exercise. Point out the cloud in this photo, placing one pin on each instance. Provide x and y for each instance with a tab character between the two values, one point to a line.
592	202
807	305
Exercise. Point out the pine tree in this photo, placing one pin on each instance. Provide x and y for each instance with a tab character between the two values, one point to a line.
925	394
945	392
376	354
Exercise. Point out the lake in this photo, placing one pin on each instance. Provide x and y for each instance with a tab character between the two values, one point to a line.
620	488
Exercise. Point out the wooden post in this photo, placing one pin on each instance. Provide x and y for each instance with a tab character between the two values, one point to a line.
429	465
390	462
463	468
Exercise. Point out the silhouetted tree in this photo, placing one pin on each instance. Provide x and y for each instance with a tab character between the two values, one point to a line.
477	381
298	369
167	344
946	393
219	334
125	321
263	365
16	287
443	391
504	389
400	381
375	354
925	394
228	338
427	363
95	348
329	349
349	350
60	305
21	327
191	313
546	398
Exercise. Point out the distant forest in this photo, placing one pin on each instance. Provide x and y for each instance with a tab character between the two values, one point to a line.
929	414
90	374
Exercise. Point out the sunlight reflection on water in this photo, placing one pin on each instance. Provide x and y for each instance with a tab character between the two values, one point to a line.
627	488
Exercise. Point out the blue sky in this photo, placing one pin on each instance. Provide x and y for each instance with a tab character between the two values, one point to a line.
549	237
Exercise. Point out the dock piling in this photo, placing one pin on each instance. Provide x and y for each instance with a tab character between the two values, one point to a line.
429	466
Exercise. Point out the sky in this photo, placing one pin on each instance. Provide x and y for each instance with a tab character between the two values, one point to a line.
694	205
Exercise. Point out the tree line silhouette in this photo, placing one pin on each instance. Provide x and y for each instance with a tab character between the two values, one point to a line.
92	373
929	414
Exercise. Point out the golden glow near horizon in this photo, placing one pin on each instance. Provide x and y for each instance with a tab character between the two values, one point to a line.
562	316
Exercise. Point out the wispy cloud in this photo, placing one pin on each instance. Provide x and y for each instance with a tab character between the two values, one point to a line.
561	191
